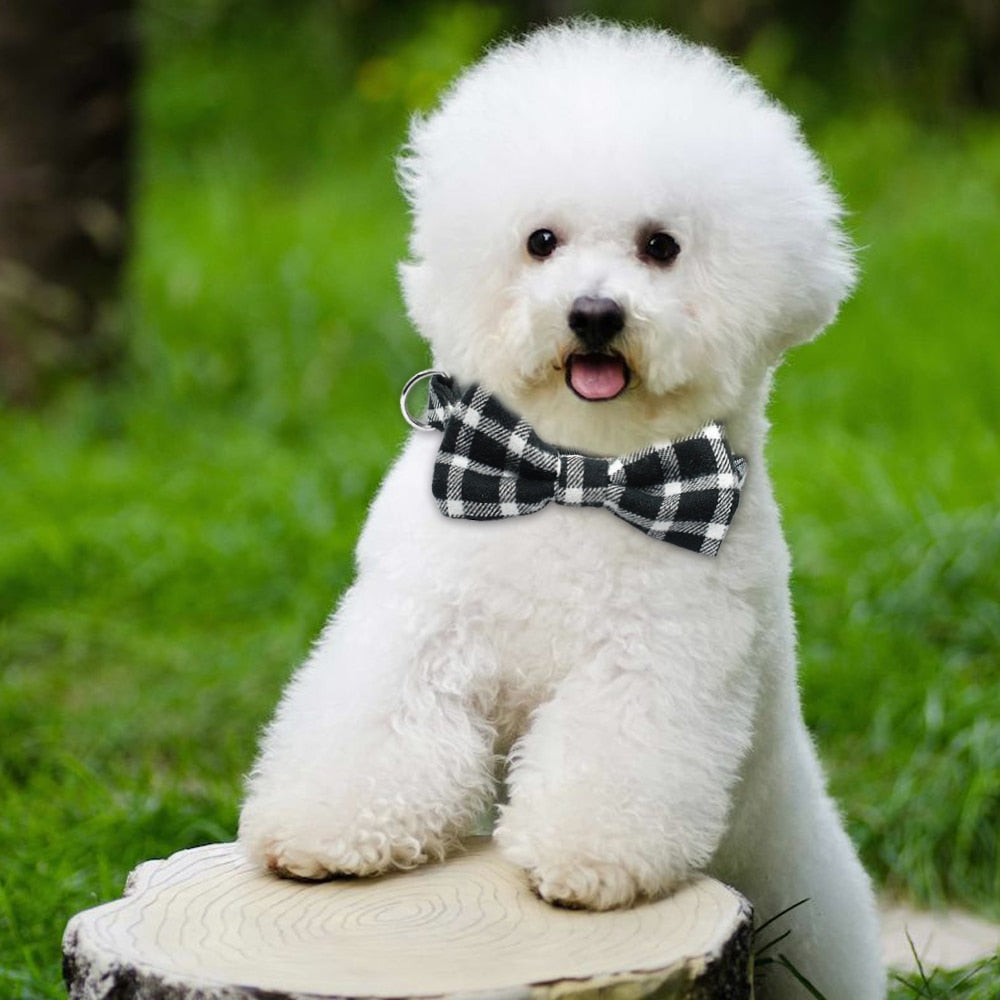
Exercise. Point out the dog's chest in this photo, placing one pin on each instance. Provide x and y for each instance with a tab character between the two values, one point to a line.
519	604
562	590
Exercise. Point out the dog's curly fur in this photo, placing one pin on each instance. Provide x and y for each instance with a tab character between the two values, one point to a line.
644	697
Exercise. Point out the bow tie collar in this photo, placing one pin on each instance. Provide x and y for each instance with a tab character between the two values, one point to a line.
492	465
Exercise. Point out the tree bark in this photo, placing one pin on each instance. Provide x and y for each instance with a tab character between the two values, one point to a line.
206	924
66	80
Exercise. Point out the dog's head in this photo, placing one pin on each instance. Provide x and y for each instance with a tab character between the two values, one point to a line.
617	232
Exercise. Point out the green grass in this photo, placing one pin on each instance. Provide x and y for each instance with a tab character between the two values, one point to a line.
898	565
171	544
978	982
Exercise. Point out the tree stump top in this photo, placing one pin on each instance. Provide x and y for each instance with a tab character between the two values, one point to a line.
206	924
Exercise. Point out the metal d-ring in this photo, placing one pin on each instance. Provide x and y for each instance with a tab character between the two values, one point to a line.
427	373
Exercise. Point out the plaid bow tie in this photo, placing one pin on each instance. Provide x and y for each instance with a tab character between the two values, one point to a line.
492	465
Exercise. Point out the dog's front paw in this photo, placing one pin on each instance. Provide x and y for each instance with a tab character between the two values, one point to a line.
320	845
585	884
580	866
567	871
361	852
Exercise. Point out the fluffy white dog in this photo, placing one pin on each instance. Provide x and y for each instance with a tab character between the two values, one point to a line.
616	235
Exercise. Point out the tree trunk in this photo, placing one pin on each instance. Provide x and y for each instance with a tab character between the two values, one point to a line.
66	76
206	924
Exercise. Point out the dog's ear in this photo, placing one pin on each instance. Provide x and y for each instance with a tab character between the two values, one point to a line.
822	274
415	291
435	317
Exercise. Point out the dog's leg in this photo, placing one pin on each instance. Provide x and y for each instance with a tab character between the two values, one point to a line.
379	756
621	787
786	845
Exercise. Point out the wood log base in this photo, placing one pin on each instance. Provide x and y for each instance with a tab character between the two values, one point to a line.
206	925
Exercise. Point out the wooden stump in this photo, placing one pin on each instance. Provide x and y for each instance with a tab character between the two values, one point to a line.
206	924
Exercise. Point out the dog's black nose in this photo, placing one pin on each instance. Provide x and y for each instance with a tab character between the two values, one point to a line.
596	320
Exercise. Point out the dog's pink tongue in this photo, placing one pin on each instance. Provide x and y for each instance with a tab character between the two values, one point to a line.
597	376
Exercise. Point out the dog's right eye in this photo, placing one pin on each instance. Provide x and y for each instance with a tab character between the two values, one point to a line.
541	243
660	248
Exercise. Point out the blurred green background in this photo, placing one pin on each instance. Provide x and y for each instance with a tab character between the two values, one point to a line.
172	536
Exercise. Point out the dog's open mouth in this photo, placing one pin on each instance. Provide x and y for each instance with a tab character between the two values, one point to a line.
597	376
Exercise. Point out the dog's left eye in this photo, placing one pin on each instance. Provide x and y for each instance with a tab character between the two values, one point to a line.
542	242
659	247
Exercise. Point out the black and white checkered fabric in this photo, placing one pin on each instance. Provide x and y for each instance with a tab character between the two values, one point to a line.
492	465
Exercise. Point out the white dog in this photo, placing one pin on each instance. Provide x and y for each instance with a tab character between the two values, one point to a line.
616	235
